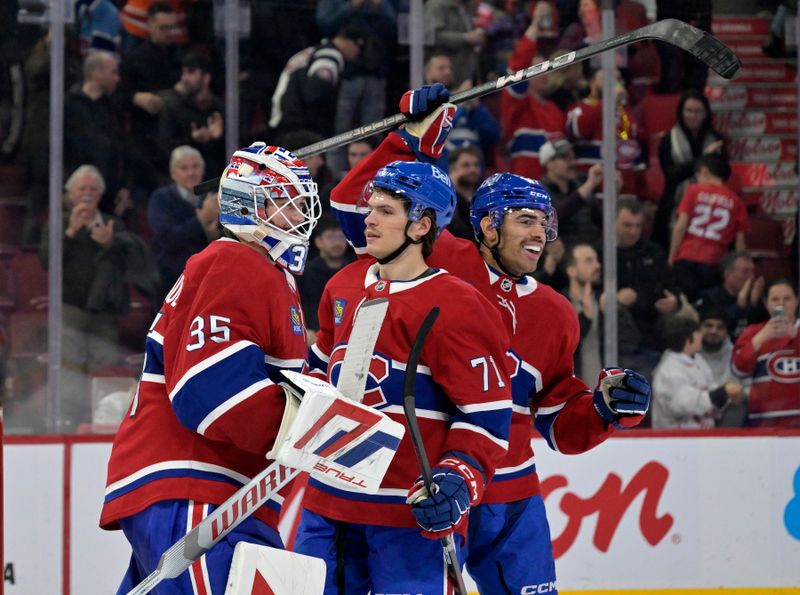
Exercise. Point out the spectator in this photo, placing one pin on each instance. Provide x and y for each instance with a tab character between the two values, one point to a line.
739	297
710	217
473	123
550	270
153	67
768	353
454	32
137	24
583	270
587	31
528	118
580	216
585	128
100	27
684	394
333	254
304	97
181	227
717	351
93	132
357	150
316	164
192	114
564	86
362	93
465	172
98	255
692	136
646	289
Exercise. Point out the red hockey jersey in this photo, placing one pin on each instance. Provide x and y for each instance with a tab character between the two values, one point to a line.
715	215
463	397
208	405
775	371
544	334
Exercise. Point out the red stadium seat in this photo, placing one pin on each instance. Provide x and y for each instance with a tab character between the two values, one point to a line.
30	281
765	238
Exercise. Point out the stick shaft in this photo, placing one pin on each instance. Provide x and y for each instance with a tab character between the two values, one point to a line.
448	543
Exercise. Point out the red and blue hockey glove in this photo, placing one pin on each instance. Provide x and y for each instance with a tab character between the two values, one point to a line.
417	104
622	397
431	120
456	486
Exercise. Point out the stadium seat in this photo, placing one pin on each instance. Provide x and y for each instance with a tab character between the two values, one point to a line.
30	281
765	238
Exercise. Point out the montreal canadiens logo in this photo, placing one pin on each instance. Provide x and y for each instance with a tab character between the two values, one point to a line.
784	366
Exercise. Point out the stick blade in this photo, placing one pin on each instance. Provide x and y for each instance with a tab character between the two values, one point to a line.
719	57
703	46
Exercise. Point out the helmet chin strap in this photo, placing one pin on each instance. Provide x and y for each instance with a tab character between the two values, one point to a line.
406	243
495	251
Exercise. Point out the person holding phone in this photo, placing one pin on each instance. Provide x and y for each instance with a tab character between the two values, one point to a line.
769	353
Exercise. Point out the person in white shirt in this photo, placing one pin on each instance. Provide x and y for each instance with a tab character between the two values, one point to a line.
685	394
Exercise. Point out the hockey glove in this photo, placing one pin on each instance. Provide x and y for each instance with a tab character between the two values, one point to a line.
455	487
431	120
622	397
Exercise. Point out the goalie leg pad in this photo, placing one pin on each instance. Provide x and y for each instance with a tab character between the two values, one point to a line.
260	569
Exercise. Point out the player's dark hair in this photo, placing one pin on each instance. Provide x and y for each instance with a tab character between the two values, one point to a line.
158	8
677	330
716	165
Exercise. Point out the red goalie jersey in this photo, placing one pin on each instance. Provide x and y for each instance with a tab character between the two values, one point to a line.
208	405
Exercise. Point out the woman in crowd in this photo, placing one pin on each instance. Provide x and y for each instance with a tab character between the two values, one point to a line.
692	135
768	353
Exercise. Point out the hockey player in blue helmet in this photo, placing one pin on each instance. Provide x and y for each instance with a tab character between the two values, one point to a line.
509	545
463	388
418	187
500	195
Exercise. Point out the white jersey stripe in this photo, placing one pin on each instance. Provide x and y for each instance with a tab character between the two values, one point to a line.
460	425
425	413
550	410
294	364
487	406
170	465
502	470
156	378
207	363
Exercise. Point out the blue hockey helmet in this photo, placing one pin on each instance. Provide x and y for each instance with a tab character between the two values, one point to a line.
423	184
502	192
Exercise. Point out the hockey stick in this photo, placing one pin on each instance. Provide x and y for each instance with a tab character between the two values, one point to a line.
250	497
448	543
703	46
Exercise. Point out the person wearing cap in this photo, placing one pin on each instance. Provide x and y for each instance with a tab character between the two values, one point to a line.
717	350
193	115
307	90
579	213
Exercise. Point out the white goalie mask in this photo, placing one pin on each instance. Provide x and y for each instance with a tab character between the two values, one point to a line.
267	196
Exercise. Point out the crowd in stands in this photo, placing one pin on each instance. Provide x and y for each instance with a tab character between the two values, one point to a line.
144	123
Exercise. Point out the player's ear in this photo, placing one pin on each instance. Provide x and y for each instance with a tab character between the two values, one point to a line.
489	232
421	228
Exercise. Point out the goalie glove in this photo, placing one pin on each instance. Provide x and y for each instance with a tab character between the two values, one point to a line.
622	397
456	486
430	120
